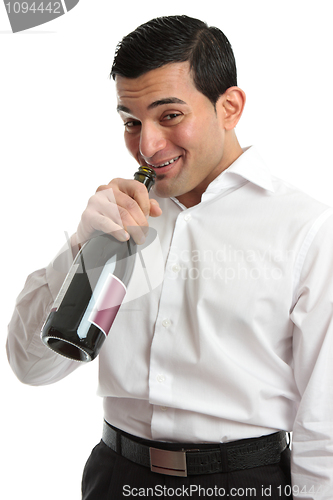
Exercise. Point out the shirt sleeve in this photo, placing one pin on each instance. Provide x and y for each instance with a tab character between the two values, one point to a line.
312	449
32	362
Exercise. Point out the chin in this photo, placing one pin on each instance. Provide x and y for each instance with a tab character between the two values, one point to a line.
165	191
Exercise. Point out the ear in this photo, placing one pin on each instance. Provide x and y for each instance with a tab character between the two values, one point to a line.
232	103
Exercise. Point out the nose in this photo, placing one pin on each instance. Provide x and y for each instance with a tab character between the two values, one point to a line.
152	140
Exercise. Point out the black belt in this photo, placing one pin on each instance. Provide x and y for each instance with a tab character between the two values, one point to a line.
183	459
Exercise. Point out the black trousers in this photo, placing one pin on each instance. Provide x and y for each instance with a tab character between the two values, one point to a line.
109	476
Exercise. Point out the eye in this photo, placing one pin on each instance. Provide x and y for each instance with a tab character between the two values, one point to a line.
172	118
131	125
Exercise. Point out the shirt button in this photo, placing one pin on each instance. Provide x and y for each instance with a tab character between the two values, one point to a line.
160	378
176	268
163	408
187	217
166	323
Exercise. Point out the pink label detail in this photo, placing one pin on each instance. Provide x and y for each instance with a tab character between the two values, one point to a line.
108	303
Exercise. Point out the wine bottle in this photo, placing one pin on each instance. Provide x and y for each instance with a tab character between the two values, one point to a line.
91	295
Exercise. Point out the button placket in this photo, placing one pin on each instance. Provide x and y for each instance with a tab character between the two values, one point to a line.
160	379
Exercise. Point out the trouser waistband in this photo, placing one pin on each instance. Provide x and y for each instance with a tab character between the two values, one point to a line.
183	459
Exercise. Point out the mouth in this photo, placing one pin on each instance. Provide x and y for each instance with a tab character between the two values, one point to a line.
165	164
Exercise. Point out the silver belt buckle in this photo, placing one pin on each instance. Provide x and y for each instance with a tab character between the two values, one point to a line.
171	463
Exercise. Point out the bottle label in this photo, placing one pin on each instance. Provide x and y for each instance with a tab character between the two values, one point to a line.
108	303
64	288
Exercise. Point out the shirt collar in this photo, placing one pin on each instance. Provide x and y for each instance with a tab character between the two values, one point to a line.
248	167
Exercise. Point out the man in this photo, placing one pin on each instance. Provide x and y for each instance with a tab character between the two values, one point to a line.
203	376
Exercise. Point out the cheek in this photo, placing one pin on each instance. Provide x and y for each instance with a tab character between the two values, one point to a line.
186	136
204	143
197	131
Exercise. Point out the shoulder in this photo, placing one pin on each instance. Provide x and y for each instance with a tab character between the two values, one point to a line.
296	204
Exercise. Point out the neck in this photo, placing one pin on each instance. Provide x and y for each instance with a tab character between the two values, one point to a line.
232	151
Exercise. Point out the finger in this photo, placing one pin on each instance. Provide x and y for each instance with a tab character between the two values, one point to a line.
133	206
132	196
107	225
155	209
105	202
137	191
133	227
129	216
93	221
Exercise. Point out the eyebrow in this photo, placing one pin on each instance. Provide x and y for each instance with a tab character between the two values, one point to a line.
155	104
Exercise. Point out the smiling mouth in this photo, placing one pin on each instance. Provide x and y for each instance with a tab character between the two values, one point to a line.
164	164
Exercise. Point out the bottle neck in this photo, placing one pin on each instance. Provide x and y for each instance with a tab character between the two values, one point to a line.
145	175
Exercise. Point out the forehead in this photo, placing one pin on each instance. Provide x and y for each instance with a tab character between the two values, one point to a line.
170	80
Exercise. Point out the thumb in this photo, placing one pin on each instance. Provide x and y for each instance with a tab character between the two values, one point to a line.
155	209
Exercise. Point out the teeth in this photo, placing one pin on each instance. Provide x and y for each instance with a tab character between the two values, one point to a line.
166	163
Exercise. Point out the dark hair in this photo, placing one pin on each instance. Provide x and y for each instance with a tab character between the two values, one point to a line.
172	39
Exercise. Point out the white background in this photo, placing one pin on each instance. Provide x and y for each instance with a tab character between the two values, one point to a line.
61	138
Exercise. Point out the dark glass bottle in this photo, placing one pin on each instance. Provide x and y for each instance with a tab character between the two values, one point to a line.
92	293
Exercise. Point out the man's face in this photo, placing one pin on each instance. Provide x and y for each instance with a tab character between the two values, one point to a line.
174	128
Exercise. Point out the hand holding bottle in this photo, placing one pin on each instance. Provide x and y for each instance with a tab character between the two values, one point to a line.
95	286
120	208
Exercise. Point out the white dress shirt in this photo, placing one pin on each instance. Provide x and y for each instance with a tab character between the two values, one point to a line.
226	332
